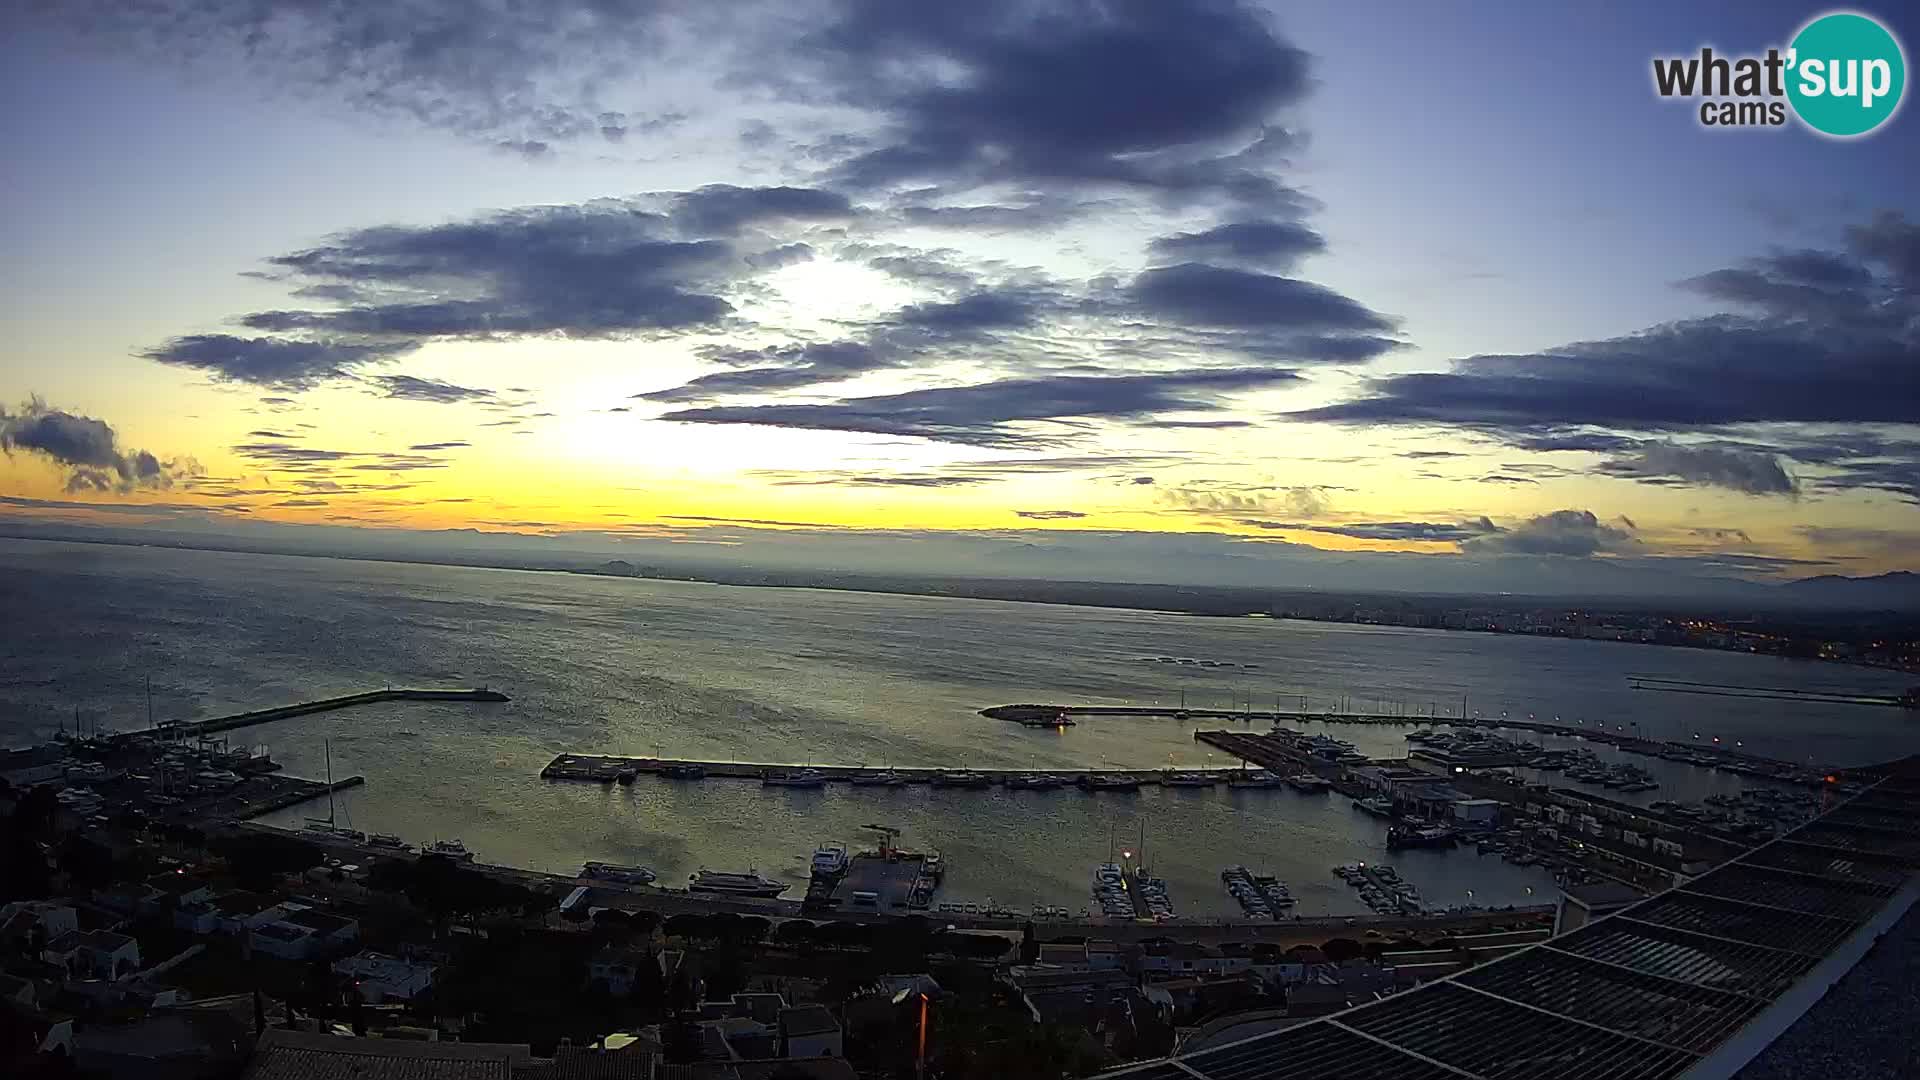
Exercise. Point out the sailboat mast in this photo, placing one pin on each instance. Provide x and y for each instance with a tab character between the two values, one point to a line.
329	746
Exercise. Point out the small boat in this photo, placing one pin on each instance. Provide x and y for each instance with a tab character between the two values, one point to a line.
1109	782
884	778
1399	837
751	883
627	776
1375	805
1177	778
793	778
684	772
1309	784
960	778
625	875
386	840
451	849
1246	778
1033	780
829	860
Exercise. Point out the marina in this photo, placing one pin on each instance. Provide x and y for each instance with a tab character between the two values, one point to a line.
1710	753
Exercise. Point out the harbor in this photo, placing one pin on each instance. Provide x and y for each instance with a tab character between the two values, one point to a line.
607	769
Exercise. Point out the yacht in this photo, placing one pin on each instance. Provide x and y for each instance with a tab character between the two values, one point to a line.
829	860
624	875
684	772
885	778
386	840
1309	783
794	778
1109	782
751	883
452	849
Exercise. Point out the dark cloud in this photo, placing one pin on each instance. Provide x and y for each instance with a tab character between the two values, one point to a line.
1274	245
1708	466
1001	413
1201	425
412	388
1142	480
438	445
528	149
1172	99
1049	515
282	364
605	269
722	209
1444	531
87	450
272	435
1289	316
884	480
1577	533
503	73
297	503
1426	455
1826	337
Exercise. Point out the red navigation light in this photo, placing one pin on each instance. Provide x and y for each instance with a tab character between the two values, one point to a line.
1832	779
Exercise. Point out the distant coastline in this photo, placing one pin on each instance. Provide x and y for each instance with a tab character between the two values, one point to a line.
1804	635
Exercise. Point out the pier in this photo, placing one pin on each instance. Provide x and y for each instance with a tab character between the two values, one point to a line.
195	728
1723	757
607	769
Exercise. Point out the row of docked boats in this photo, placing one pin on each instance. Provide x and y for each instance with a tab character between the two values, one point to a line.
1382	889
1261	896
1110	891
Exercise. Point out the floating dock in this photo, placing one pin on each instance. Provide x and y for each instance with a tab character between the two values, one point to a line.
196	728
608	769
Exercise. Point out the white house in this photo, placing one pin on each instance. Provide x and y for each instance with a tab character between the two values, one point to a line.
94	953
20	919
283	939
380	977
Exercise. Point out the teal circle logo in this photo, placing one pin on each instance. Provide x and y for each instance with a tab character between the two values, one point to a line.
1846	74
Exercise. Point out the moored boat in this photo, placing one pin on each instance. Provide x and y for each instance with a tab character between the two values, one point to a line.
750	884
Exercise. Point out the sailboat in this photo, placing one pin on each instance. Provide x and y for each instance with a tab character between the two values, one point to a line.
327	825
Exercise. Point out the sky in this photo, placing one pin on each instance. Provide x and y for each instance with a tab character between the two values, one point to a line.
1207	280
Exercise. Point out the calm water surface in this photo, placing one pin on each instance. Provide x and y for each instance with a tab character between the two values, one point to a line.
643	667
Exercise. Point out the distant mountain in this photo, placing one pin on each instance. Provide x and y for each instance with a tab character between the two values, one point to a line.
1893	591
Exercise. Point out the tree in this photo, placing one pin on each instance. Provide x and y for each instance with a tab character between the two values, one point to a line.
259	860
649	992
90	865
1029	945
1340	950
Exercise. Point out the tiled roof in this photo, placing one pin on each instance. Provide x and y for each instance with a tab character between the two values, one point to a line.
1652	992
294	1055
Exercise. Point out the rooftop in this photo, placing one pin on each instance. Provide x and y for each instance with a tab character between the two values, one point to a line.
1650	992
298	1055
807	1020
